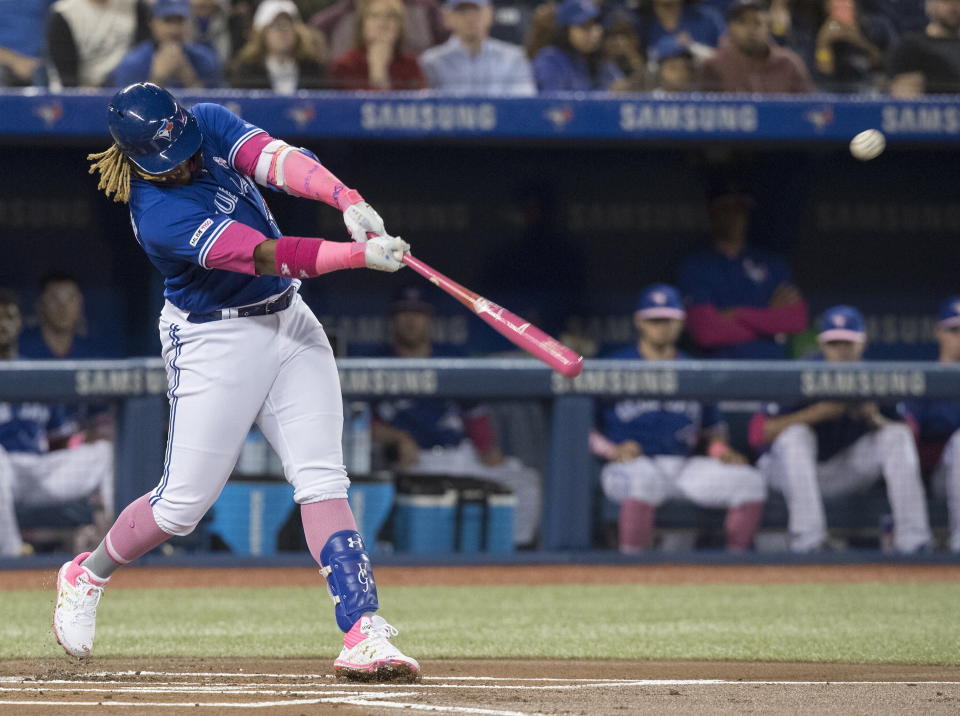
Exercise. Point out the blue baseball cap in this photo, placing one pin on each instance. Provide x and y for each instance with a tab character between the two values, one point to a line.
576	12
842	323
949	312
661	300
668	47
411	299
165	8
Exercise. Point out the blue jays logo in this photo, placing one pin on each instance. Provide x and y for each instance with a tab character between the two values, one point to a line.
302	115
559	117
820	117
50	113
757	272
659	297
838	321
221	161
165	131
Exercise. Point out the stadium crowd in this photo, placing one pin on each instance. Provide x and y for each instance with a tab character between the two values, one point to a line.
906	48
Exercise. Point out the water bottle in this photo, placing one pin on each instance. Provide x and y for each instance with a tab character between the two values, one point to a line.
356	438
253	454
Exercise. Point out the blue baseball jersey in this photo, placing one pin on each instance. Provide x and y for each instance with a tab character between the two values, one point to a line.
432	422
661	427
748	279
32	345
178	225
25	427
936	419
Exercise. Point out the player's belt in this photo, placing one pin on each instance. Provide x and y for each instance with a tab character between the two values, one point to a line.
278	304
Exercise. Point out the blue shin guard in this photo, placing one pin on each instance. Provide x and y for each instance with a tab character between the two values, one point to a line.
345	564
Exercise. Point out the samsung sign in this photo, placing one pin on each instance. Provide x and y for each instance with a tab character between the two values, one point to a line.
423	116
692	117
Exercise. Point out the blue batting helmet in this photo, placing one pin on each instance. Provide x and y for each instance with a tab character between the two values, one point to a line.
151	128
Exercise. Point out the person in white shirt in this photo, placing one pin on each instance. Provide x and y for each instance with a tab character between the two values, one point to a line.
471	62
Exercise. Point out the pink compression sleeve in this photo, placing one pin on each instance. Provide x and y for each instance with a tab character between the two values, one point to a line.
134	533
308	178
245	160
774	320
710	329
233	249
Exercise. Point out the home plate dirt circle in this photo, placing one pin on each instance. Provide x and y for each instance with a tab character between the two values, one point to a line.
498	688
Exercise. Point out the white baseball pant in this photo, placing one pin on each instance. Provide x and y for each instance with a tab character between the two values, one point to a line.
462	461
37	480
705	481
791	466
276	370
946	481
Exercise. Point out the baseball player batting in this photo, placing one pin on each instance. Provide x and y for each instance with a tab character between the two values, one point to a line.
240	347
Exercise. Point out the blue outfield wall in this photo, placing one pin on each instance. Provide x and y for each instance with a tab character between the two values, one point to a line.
550	117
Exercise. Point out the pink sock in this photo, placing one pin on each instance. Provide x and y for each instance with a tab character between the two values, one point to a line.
134	533
636	526
741	525
322	519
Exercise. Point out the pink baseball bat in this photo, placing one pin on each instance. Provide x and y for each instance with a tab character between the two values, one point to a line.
516	330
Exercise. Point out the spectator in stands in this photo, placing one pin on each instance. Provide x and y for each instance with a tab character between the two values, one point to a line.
168	59
622	47
928	62
905	15
216	25
86	39
574	59
30	473
742	302
845	43
748	60
61	329
827	448
651	445
675	69
473	62
542	29
439	437
693	25
21	42
281	54
422	25
378	60
939	423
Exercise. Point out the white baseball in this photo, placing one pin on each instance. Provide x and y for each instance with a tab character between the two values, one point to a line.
869	144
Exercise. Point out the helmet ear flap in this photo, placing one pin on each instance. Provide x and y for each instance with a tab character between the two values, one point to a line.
151	128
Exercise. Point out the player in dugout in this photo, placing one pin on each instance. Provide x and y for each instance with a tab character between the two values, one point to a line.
240	347
651	445
826	448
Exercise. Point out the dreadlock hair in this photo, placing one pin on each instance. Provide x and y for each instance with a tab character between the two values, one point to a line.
114	171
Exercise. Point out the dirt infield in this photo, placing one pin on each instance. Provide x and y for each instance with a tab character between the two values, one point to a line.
494	687
498	688
158	577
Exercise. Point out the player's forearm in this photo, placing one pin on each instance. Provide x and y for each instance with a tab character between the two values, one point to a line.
274	163
770	321
764	429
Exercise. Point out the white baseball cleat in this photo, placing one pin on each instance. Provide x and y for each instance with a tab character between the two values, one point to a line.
75	618
368	655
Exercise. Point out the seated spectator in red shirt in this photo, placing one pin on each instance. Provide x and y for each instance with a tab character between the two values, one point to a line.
928	62
377	61
168	59
281	54
423	25
748	60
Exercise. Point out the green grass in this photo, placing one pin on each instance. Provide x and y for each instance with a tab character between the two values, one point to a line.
904	623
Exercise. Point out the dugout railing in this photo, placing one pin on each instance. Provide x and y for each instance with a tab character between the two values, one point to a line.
138	387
